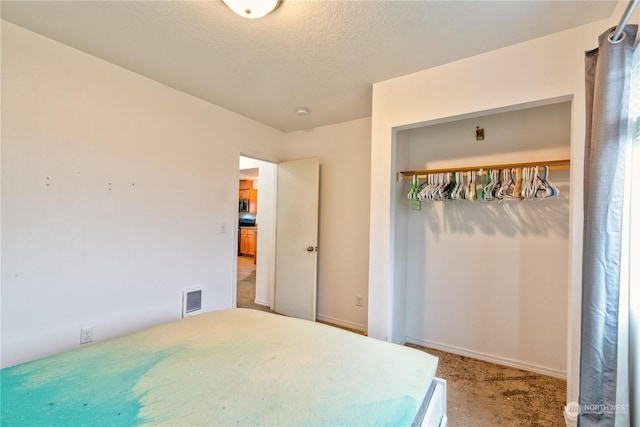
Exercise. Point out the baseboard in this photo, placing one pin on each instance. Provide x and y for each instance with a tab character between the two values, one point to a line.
339	322
261	302
556	373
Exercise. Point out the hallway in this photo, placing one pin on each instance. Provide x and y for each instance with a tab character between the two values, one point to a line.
246	293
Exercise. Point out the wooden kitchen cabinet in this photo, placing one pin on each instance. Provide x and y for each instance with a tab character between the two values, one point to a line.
246	185
252	196
248	237
253	201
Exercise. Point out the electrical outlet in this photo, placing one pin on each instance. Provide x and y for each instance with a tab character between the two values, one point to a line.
86	334
359	300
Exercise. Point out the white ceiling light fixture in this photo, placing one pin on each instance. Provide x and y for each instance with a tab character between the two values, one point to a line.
252	9
301	111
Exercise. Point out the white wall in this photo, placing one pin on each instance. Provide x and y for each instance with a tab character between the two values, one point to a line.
113	191
526	73
344	153
490	280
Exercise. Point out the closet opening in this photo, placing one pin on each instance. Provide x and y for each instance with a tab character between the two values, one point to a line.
487	279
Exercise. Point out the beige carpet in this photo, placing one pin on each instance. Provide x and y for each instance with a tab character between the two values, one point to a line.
483	394
246	292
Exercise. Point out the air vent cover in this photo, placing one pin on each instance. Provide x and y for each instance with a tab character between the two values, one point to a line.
191	301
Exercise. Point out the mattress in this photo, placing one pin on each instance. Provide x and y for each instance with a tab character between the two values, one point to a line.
228	367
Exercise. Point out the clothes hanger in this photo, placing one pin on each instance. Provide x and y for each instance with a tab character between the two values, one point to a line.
487	190
554	190
544	188
524	189
530	182
472	186
518	183
464	191
424	193
510	191
458	185
516	174
505	180
446	187
416	203
415	181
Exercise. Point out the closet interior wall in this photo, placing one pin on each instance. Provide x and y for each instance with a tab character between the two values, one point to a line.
486	280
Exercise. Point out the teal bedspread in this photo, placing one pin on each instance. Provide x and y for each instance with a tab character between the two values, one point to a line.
235	367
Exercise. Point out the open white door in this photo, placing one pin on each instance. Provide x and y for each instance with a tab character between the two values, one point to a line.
297	238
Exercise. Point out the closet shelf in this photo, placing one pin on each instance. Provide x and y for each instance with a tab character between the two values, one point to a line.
422	173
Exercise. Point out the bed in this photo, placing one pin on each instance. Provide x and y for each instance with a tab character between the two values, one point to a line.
236	367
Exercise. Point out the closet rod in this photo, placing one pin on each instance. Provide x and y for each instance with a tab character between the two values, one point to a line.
553	165
623	21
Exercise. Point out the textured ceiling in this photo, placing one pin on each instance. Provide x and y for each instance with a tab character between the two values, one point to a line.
323	55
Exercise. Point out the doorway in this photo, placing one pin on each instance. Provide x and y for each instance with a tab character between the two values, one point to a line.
287	197
256	234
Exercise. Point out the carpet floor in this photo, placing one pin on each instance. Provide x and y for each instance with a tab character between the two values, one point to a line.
483	394
246	291
479	394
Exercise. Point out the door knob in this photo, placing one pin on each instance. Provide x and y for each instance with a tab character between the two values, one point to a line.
312	248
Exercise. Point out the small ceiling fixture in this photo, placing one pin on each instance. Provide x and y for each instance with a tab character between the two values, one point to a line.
252	8
301	111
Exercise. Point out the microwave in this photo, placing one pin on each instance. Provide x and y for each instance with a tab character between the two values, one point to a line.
244	205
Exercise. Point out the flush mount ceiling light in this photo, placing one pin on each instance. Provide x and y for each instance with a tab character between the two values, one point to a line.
252	8
301	111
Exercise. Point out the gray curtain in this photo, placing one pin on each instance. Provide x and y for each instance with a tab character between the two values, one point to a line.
608	75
